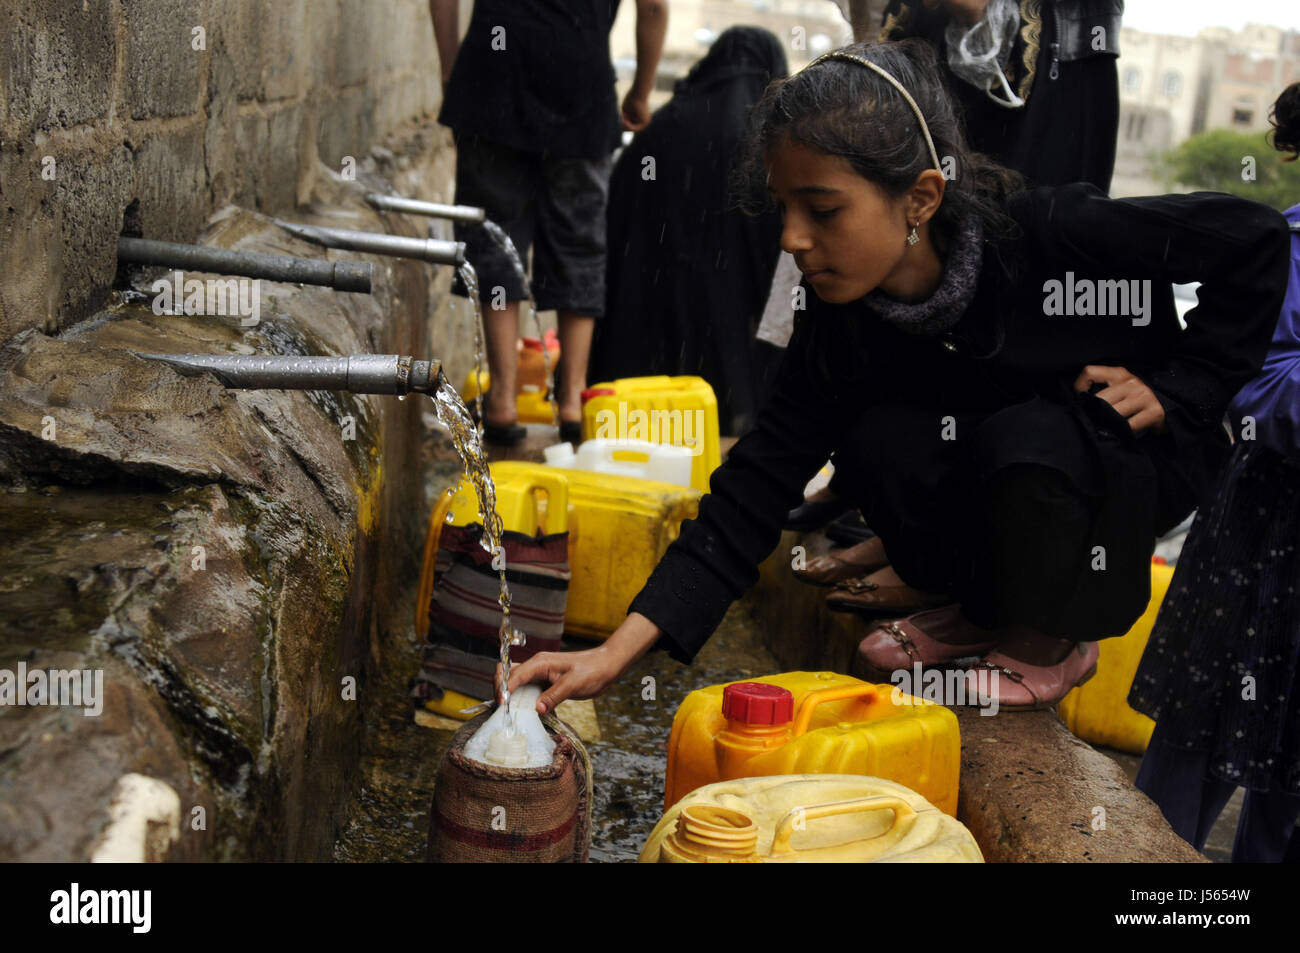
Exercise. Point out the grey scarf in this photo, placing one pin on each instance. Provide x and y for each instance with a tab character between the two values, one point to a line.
944	308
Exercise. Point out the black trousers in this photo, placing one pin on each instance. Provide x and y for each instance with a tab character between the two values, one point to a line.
1005	510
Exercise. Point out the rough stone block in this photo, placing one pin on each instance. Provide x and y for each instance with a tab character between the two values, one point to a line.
58	62
171	184
162	66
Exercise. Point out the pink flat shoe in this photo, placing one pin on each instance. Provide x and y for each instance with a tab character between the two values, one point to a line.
902	643
1020	686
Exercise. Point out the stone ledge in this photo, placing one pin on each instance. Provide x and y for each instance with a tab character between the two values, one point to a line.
1030	790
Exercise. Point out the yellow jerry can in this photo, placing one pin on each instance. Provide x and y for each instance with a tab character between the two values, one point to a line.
813	723
1098	711
808	818
530	403
619	527
675	410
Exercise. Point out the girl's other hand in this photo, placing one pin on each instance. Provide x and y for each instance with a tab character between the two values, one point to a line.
1127	393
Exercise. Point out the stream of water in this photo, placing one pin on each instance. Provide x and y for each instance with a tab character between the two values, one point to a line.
467	440
469	278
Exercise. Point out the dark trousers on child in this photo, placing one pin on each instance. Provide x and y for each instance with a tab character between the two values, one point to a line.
1018	512
1192	800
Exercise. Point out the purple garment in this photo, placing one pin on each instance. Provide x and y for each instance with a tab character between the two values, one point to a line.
1273	397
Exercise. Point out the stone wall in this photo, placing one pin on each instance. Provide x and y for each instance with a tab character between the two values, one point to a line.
228	562
181	106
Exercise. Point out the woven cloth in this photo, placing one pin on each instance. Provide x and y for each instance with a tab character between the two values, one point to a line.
462	645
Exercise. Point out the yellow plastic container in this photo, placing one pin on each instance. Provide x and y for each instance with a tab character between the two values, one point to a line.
676	410
1098	711
528	501
618	527
808	818
813	723
530	403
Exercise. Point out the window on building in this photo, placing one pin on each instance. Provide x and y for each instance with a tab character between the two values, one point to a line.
1242	117
1171	84
1132	80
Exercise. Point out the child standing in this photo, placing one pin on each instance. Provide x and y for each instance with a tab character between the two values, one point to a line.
531	101
1220	671
1001	372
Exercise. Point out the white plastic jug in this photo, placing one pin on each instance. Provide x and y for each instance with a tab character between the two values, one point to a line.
514	736
635	458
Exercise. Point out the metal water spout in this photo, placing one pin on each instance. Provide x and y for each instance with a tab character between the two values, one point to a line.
339	275
356	373
465	214
380	243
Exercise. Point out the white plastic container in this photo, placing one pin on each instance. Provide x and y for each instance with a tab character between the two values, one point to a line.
635	458
514	736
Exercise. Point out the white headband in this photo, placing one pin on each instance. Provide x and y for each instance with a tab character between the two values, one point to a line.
925	129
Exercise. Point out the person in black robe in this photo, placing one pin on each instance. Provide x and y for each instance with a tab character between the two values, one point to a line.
687	272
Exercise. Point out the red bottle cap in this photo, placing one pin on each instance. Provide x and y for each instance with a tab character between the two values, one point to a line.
757	703
591	392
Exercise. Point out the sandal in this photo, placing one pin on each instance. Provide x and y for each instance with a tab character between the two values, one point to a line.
1038	686
832	567
571	432
902	643
507	435
862	596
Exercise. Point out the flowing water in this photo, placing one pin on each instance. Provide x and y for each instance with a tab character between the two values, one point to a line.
467	440
469	278
501	238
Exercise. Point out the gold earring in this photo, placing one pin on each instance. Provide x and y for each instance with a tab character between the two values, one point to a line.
912	237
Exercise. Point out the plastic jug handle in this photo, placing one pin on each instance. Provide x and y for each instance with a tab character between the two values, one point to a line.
878	802
437	519
556	488
810	701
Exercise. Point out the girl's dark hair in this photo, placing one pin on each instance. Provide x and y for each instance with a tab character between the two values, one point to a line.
844	109
1285	119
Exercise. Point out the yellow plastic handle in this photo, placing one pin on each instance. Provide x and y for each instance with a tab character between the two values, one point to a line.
556	488
803	716
425	593
878	802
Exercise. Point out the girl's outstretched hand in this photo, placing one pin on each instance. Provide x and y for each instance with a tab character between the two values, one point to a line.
1127	393
585	674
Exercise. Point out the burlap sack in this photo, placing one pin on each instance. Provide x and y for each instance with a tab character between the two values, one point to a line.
487	814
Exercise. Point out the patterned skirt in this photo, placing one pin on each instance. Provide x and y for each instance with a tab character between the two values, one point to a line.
1220	670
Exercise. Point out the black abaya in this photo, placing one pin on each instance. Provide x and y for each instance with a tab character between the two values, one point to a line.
688	273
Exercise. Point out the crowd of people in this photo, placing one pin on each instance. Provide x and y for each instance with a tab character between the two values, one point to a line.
1009	464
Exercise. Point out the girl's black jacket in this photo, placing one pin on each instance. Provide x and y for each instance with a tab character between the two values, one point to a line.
1005	350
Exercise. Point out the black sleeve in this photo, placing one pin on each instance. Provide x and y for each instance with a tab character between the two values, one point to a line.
740	521
1240	252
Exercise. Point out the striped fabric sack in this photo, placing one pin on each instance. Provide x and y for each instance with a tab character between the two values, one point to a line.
462	645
